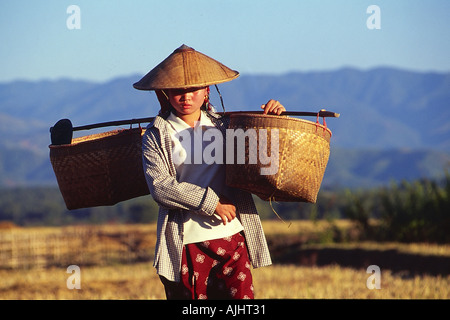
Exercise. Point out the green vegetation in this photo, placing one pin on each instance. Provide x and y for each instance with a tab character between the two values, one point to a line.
417	211
44	206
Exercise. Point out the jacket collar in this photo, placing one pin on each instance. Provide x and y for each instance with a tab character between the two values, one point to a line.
160	120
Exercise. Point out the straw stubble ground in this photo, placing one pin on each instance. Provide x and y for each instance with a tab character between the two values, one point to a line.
139	281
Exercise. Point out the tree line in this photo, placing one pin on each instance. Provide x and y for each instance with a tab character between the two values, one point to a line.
44	206
417	211
403	211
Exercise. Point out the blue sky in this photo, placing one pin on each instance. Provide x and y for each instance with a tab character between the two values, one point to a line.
123	37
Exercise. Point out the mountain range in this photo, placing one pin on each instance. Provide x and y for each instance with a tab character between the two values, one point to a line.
394	124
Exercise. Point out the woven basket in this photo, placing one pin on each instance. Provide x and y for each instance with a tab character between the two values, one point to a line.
304	149
100	169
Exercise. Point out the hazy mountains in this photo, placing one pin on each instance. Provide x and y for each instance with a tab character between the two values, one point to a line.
394	124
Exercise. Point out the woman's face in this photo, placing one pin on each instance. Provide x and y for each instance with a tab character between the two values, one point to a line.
187	101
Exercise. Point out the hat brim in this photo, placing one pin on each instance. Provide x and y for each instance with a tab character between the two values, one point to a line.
186	68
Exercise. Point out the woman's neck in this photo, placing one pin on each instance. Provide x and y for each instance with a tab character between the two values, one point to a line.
190	119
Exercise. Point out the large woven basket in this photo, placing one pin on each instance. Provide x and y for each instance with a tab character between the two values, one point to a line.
303	152
100	169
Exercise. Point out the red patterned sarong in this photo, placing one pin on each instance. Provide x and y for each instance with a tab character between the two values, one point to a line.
214	269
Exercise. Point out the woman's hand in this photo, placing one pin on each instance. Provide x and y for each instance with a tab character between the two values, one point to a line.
273	107
226	210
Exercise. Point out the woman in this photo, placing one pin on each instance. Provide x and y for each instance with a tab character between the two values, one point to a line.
208	234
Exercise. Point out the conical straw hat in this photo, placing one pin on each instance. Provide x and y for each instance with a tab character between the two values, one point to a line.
185	68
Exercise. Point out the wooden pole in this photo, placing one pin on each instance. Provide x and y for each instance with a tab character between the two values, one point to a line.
322	114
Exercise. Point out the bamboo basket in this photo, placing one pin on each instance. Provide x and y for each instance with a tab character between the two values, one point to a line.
100	169
303	152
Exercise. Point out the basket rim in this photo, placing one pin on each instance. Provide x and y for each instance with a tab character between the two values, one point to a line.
280	117
94	137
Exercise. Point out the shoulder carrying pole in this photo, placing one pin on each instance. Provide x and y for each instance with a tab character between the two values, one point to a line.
321	113
61	132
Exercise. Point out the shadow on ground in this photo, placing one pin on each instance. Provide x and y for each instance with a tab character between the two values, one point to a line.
392	259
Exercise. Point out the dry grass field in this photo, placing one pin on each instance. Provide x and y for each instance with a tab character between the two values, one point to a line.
116	263
139	281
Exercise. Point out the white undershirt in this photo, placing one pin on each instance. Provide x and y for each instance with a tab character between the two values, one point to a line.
199	227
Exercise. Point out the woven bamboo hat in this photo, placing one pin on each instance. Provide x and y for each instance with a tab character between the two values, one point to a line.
185	68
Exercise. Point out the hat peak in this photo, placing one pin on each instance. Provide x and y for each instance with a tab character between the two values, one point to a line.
183	47
185	68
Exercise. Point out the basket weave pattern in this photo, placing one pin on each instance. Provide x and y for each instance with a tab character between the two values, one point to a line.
304	149
100	169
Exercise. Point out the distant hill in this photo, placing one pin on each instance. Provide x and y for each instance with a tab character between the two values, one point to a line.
368	168
393	125
381	108
346	167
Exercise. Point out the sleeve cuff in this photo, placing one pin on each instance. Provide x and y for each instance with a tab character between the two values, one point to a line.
210	202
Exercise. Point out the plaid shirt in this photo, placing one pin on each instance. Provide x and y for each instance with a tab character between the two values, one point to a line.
175	197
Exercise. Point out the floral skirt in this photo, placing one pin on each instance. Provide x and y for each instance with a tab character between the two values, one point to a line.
214	269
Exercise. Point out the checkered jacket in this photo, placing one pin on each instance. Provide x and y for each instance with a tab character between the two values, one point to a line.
174	198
